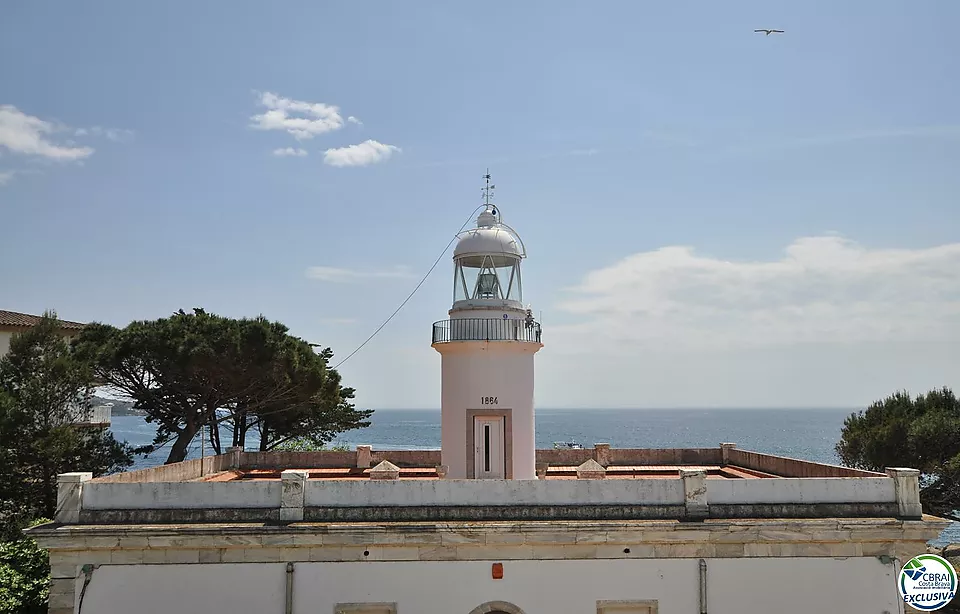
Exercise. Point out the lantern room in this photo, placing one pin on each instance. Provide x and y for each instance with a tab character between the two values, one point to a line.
487	264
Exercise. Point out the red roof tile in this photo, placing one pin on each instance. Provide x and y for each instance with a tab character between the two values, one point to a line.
25	320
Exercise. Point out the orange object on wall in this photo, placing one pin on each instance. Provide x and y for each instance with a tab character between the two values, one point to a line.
497	571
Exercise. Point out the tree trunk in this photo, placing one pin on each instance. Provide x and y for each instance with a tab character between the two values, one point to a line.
178	451
215	435
264	437
244	427
242	437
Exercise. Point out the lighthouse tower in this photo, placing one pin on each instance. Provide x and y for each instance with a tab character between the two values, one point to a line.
487	348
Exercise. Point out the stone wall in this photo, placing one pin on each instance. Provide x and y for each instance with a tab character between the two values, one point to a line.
601	453
176	472
297	460
792	468
482	541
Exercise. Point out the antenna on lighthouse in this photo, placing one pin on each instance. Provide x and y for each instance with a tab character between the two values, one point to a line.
488	190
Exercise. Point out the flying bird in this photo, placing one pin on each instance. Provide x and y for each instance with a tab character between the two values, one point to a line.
769	32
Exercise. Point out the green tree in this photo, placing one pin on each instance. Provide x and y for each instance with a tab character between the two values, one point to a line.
921	432
301	444
44	389
24	576
315	408
182	369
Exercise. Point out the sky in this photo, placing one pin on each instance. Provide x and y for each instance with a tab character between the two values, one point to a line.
713	217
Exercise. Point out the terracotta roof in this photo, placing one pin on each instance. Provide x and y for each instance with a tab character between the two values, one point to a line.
25	320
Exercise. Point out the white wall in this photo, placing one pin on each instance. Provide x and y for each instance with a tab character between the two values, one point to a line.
180	495
802	490
365	493
471	370
6	336
741	586
5	342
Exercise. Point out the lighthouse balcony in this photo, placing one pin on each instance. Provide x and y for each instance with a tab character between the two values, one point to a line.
486	329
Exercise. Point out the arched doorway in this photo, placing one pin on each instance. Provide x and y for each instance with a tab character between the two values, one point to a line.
496	607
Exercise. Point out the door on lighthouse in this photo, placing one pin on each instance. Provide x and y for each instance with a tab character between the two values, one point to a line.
488	447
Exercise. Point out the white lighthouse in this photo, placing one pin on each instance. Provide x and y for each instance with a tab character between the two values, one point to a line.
487	348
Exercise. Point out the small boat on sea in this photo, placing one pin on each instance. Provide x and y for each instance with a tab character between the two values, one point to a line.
567	445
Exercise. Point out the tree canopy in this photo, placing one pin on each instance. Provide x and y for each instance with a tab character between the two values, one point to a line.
921	432
196	369
44	388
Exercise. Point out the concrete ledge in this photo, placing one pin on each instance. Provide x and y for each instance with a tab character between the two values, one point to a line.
466	513
71	546
492	512
804	510
169	515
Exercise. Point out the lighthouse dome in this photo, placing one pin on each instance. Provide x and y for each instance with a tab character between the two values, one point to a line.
490	240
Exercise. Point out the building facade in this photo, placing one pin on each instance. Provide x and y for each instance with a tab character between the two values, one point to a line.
489	524
599	530
13	323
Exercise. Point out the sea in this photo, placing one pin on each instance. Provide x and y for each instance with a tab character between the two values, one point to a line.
807	434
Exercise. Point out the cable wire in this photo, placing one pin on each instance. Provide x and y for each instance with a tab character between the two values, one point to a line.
410	296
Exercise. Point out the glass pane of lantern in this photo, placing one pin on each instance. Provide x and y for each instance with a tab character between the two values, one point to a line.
487	285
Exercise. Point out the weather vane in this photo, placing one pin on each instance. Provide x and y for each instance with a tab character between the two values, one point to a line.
488	190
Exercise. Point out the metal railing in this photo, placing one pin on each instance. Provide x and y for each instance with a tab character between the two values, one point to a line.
485	329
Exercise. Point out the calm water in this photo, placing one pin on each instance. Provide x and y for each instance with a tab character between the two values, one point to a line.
808	434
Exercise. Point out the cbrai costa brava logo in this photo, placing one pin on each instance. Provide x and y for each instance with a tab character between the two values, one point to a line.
927	582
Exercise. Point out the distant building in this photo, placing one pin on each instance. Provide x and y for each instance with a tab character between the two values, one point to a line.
489	524
13	323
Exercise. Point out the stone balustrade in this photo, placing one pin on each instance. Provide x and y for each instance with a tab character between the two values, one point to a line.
181	492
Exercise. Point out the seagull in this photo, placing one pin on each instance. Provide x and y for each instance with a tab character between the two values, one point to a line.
769	32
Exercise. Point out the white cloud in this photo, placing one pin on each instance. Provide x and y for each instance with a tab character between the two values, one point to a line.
354	120
824	289
118	135
6	176
362	154
28	135
303	120
340	275
289	151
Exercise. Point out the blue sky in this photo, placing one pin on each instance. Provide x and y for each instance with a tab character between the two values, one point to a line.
713	217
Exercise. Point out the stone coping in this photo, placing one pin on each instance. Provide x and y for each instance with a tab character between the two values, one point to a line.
262	543
846	527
